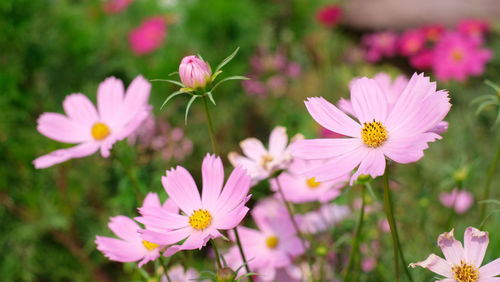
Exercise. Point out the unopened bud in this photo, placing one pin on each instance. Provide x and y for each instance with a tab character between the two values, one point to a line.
194	72
225	274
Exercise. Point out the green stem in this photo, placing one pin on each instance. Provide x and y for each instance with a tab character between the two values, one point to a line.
357	236
491	172
217	257
131	177
165	263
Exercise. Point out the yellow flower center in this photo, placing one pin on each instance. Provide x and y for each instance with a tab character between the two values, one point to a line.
100	131
150	246
465	272
200	219
457	55
311	182
373	134
272	242
266	159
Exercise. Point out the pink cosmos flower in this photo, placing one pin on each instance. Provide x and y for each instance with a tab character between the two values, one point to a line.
379	44
116	6
272	246
411	42
463	263
461	200
178	274
131	247
297	188
118	115
457	57
202	217
322	219
401	133
259	162
474	29
329	15
148	36
194	72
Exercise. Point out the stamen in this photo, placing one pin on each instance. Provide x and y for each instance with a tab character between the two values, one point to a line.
373	134
465	272
311	182
100	131
272	242
457	55
200	219
266	159
150	246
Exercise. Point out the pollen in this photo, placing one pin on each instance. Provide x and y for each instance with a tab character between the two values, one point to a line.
457	55
465	272
373	134
272	242
150	246
311	182
200	219
100	131
266	159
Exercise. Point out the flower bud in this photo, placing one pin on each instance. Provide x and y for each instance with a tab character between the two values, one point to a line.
225	274
194	72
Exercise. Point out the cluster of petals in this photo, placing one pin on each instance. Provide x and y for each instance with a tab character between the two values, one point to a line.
194	72
379	45
131	246
323	219
459	200
463	263
401	133
118	115
202	217
148	36
259	162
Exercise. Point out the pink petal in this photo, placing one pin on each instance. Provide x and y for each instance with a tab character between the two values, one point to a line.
60	128
278	141
63	155
118	250
80	109
158	217
346	106
196	240
253	148
136	98
253	169
408	149
181	188
213	179
325	148
167	237
490	269
134	122
368	101
231	219
234	192
373	164
169	205
436	265
125	228
452	249
293	246
110	99
331	118
475	245
151	200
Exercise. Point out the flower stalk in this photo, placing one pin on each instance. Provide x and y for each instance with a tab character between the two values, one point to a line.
357	236
487	185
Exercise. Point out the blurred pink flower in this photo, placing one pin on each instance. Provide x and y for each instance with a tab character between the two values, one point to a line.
433	32
116	6
329	15
474	29
369	255
383	225
259	162
118	115
463	263
194	72
323	219
411	42
379	45
148	36
400	134
178	274
202	217
457	57
423	59
461	200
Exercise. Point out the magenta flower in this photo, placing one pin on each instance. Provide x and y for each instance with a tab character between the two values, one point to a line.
131	247
457	57
401	133
297	188
379	45
116	6
202	217
411	42
463	263
461	200
118	115
148	36
259	162
194	72
474	29
423	59
433	32
329	15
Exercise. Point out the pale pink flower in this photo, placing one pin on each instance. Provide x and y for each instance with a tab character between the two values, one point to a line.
463	263
297	188
401	134
379	45
118	115
178	274
329	15
259	162
457	57
474	29
148	36
411	42
202	217
323	219
131	247
461	200
194	72
116	6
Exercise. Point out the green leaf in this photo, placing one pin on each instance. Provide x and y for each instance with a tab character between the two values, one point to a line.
187	108
248	274
487	217
484	105
170	97
227	60
173	73
199	56
484	98
492	85
209	94
236	77
215	75
171	81
490	201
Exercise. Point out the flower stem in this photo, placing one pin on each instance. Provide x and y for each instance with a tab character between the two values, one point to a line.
214	148
491	172
217	257
131	177
355	245
165	263
394	232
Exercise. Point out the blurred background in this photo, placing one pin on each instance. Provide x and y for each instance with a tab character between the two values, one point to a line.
290	49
